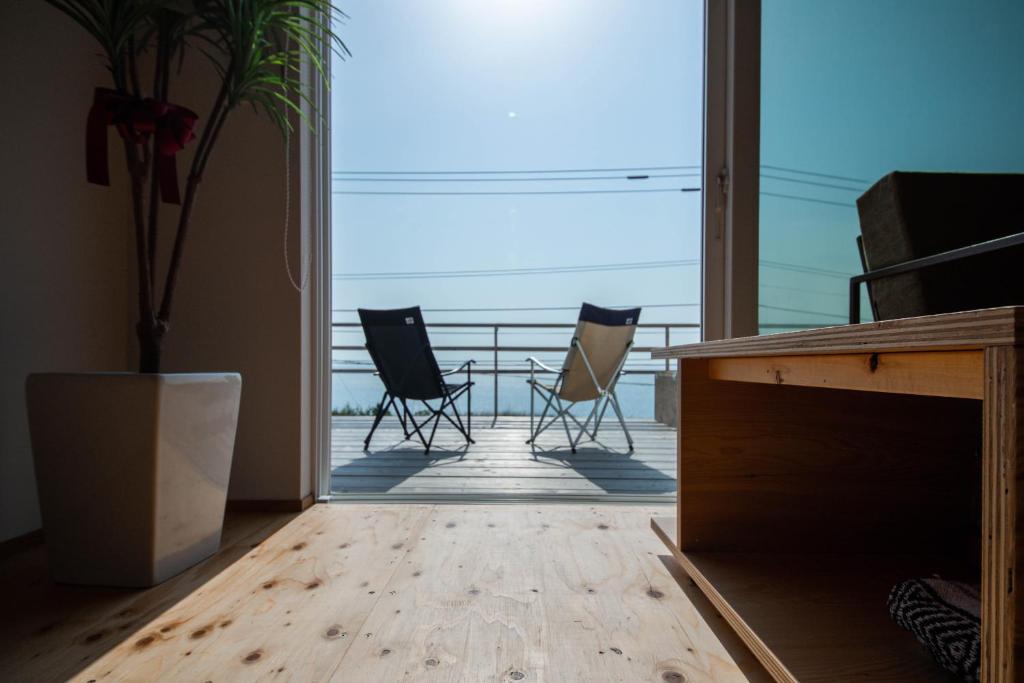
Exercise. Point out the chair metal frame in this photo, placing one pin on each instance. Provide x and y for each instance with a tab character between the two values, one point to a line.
549	394
406	416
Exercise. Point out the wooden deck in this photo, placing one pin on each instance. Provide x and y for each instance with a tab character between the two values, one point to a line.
500	465
379	592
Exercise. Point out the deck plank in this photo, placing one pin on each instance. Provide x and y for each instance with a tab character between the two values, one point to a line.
501	463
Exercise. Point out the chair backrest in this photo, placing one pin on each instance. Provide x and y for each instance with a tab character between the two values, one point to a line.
398	344
905	216
605	336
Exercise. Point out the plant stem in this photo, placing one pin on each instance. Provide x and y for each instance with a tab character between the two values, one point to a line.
160	85
218	115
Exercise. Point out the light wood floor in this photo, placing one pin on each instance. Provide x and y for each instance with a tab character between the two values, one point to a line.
501	465
366	592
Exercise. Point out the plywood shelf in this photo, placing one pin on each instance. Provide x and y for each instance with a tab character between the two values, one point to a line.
824	620
817	469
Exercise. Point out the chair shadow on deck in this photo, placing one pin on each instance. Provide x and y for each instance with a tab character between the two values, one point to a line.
501	465
614	470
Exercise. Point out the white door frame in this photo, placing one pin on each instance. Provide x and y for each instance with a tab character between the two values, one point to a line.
314	188
731	141
732	112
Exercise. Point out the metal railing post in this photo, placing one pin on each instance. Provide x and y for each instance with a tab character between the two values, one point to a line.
494	420
668	363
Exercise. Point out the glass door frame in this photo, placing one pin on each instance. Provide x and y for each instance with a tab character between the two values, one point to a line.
731	165
732	131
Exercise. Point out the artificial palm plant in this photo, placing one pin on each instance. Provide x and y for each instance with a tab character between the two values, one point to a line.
256	47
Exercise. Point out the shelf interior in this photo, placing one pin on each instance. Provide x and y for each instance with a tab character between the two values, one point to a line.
811	617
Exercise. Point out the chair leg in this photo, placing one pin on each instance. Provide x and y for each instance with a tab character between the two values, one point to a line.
415	425
600	416
565	422
583	429
436	418
376	421
458	417
622	420
534	433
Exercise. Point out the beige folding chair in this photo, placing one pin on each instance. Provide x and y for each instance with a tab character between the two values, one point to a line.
592	367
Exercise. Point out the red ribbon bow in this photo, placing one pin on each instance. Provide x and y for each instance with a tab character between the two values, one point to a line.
136	119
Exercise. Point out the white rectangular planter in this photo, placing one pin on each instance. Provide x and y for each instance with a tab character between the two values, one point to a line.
132	471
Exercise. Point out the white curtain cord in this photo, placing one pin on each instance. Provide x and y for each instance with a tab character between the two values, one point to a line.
299	284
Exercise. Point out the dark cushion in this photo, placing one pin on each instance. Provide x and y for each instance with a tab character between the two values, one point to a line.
909	215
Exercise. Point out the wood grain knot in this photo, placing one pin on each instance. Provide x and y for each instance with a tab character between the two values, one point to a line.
603	527
253	656
656	594
673	677
93	637
268	585
397	546
144	641
430	662
298	546
198	633
312	585
517	675
615	650
333	633
385	652
449	525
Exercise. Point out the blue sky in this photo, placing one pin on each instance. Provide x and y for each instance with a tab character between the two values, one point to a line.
850	91
859	89
521	86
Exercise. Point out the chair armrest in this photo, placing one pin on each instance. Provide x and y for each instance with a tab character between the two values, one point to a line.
459	369
533	361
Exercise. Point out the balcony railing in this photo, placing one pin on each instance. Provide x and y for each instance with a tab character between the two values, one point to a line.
495	348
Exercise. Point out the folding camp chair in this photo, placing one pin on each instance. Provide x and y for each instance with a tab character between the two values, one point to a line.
592	367
398	344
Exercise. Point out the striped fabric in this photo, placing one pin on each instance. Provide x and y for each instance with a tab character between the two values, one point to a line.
944	616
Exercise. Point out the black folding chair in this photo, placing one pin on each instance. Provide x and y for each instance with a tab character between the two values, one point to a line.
398	344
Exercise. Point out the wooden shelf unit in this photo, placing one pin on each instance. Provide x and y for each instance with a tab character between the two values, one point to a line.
817	469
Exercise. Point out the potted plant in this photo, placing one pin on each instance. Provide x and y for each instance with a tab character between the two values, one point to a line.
132	468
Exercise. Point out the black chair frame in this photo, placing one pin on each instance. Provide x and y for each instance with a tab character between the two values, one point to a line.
420	380
406	417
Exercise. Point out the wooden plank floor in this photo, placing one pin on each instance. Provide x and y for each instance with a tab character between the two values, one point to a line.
372	592
500	464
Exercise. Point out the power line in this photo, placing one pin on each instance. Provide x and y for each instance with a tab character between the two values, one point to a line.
808	199
523	308
779	265
513	180
814	173
524	192
430	274
800	290
811	182
511	172
800	310
545	270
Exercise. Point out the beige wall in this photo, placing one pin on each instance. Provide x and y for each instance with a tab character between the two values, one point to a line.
65	255
235	309
62	242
